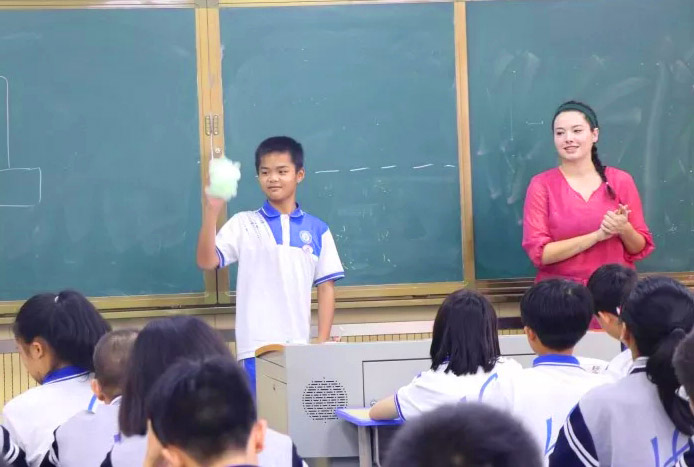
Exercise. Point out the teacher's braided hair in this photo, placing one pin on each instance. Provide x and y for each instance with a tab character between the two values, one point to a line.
592	119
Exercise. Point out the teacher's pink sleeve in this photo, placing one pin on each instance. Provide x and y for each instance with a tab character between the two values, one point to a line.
629	195
536	221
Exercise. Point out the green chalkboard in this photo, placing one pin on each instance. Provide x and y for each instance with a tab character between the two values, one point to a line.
369	90
633	61
104	103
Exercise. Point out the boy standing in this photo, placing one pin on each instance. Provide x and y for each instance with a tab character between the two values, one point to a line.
282	253
556	314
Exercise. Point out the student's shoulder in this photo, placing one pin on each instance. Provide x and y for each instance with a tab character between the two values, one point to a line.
77	421
29	401
313	224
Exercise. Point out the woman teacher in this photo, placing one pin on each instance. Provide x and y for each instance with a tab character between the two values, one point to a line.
581	215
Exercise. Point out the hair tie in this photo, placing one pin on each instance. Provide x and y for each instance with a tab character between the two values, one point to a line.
55	300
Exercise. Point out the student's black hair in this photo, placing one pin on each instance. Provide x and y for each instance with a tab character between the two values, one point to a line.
683	362
465	334
204	408
67	322
280	144
111	356
592	120
658	314
463	435
160	344
558	311
610	285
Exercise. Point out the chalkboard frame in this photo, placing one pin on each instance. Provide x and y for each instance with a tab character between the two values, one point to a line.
359	296
205	297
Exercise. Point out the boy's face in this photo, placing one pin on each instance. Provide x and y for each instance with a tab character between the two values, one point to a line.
278	176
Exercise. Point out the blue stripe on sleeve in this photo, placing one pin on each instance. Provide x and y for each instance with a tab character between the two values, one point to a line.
397	407
330	277
221	257
574	446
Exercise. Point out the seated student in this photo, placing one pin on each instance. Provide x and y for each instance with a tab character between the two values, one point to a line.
464	353
11	455
639	419
203	414
610	285
88	436
160	344
463	435
55	335
556	314
683	362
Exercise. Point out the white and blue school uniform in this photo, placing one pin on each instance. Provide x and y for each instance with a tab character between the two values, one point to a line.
85	438
11	453
279	451
621	424
620	365
32	416
541	397
434	388
281	258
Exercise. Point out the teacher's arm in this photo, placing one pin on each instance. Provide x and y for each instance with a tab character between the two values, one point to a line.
537	240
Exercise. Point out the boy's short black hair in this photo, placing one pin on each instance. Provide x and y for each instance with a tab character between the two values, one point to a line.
111	356
683	361
463	435
558	311
610	285
203	407
280	144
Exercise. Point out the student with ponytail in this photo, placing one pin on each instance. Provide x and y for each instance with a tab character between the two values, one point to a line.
55	336
640	419
582	214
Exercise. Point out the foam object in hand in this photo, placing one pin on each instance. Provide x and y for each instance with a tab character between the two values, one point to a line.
224	178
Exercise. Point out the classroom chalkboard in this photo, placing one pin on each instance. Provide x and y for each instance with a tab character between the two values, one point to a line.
99	152
369	90
633	61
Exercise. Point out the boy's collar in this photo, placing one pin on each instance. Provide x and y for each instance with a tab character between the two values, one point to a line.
269	211
556	360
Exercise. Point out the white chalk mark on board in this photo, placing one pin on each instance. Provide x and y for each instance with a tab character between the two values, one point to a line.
11	172
359	169
422	166
389	167
449	165
327	171
541	122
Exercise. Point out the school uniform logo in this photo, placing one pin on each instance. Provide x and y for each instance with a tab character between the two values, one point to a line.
305	237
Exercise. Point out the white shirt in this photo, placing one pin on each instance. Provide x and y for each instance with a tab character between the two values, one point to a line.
619	366
281	257
85	438
541	397
32	416
621	424
433	388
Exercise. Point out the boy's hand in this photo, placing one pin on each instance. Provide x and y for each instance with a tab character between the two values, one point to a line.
214	205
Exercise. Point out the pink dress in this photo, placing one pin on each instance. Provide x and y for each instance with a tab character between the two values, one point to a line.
554	211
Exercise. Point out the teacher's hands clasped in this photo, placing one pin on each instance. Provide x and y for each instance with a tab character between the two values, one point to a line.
615	222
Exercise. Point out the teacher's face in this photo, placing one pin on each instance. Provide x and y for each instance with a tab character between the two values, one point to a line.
573	137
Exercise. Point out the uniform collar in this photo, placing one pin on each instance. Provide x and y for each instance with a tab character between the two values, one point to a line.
556	360
64	373
639	365
269	211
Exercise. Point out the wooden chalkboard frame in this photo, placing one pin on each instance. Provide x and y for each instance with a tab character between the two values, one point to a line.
205	297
